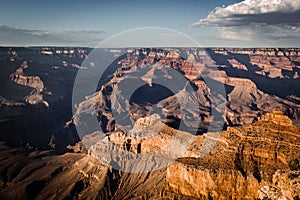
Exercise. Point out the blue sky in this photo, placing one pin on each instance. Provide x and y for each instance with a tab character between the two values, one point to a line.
212	23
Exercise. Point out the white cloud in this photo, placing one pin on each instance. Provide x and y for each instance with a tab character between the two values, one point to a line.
253	11
256	20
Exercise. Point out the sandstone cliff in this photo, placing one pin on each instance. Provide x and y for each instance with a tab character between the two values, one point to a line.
244	162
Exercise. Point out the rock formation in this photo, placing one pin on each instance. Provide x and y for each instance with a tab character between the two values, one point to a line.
35	82
30	81
243	164
255	161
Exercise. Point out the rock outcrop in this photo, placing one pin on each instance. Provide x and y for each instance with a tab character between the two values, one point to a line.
244	163
30	81
35	82
277	117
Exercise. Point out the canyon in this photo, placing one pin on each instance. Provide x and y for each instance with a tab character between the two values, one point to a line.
246	97
215	123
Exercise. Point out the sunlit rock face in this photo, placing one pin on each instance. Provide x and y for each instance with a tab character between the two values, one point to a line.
243	164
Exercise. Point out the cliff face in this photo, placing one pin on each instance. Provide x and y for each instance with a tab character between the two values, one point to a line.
244	162
276	117
210	184
259	160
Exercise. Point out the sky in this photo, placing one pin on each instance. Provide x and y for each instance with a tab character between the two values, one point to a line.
213	23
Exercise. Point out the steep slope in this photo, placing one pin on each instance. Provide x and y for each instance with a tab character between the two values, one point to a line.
44	175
